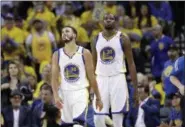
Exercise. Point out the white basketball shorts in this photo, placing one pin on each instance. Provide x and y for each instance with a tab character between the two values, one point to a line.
75	104
114	94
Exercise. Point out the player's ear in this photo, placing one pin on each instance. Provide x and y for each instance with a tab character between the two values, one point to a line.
75	36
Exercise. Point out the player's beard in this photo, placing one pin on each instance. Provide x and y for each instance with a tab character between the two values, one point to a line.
68	39
109	27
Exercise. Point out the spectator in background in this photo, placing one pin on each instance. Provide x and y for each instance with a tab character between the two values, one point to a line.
48	5
132	9
177	78
147	114
3	67
40	45
161	10
52	117
135	36
159	93
60	8
159	52
32	80
86	16
16	115
46	78
110	7
169	88
9	83
176	112
19	23
40	11
40	109
24	69
145	20
178	74
12	39
121	14
5	9
142	79
87	19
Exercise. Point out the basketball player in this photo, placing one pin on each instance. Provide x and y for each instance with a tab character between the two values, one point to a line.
109	49
75	65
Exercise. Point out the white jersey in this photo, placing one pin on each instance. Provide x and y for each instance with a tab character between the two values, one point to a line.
110	56
72	70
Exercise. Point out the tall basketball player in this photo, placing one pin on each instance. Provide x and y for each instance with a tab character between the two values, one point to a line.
109	50
75	65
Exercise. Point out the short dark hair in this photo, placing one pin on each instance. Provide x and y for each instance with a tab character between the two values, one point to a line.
73	29
115	17
36	21
46	86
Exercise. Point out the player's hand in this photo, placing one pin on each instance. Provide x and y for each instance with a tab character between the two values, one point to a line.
58	102
99	104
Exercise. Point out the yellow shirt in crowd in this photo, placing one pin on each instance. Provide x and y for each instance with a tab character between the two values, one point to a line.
144	21
135	31
112	10
30	70
46	16
37	91
16	35
159	88
41	47
86	16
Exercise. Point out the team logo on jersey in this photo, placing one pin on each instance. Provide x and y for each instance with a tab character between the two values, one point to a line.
41	45
107	55
71	73
168	71
161	46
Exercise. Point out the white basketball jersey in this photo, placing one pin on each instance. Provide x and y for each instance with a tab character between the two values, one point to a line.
72	70
110	56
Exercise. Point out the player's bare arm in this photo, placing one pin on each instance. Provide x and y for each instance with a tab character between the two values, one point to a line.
94	53
178	84
91	77
130	61
55	79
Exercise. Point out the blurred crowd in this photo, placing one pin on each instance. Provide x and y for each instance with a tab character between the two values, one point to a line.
30	33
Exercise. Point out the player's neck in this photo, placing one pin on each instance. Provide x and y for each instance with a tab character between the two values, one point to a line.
70	47
108	33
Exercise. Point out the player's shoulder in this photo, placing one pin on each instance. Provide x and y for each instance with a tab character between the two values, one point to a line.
124	36
86	51
56	52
